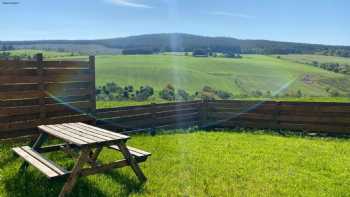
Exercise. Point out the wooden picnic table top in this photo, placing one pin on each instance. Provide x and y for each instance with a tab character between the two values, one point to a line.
82	134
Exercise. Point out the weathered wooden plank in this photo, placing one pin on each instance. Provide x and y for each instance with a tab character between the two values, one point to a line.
66	64
75	134
104	168
103	131
253	116
58	169
133	117
21	94
316	108
175	119
122	113
16	63
63	136
19	79
84	133
33	123
133	151
105	136
19	72
47	78
35	162
48	101
48	86
74	106
242	106
317	118
180	111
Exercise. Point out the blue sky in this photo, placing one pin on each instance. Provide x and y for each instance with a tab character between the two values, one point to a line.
312	21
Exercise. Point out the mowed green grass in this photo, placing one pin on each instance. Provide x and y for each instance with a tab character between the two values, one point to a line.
239	76
205	164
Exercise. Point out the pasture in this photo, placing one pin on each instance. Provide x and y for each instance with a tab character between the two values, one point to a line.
267	74
238	76
308	59
188	163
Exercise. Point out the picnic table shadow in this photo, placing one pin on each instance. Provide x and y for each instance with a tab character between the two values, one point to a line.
30	184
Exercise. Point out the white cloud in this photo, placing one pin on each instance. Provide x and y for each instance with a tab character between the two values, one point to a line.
129	3
231	14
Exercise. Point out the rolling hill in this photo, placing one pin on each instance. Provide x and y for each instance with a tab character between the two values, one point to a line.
239	76
176	42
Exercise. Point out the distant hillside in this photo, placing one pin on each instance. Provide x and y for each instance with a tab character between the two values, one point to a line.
181	42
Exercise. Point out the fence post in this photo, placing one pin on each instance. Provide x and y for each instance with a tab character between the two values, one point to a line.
153	119
92	88
203	114
39	62
276	114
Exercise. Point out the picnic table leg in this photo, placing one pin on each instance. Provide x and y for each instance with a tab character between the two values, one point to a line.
37	144
132	162
82	159
94	155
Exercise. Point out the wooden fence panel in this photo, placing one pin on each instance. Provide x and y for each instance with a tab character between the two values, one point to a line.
42	92
301	116
150	116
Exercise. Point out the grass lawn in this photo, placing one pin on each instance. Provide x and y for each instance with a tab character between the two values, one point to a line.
206	164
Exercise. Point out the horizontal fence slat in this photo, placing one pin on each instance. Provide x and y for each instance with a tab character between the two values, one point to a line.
66	64
21	95
16	79
10	64
35	123
10	111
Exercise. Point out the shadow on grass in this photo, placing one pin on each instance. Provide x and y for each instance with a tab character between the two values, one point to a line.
129	185
31	184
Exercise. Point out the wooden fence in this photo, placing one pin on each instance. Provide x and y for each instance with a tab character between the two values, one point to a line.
42	92
300	116
149	117
294	116
48	92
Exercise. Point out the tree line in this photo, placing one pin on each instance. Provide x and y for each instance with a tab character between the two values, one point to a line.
114	92
155	43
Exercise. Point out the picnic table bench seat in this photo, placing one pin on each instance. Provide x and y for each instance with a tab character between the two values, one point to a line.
46	166
138	154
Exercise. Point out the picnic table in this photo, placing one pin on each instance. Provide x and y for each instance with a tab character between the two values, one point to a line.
84	143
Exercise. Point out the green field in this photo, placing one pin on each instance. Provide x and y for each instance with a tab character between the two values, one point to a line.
308	59
238	76
204	164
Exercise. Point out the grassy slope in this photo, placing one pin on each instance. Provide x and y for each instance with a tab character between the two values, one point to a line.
239	76
207	164
253	72
318	58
